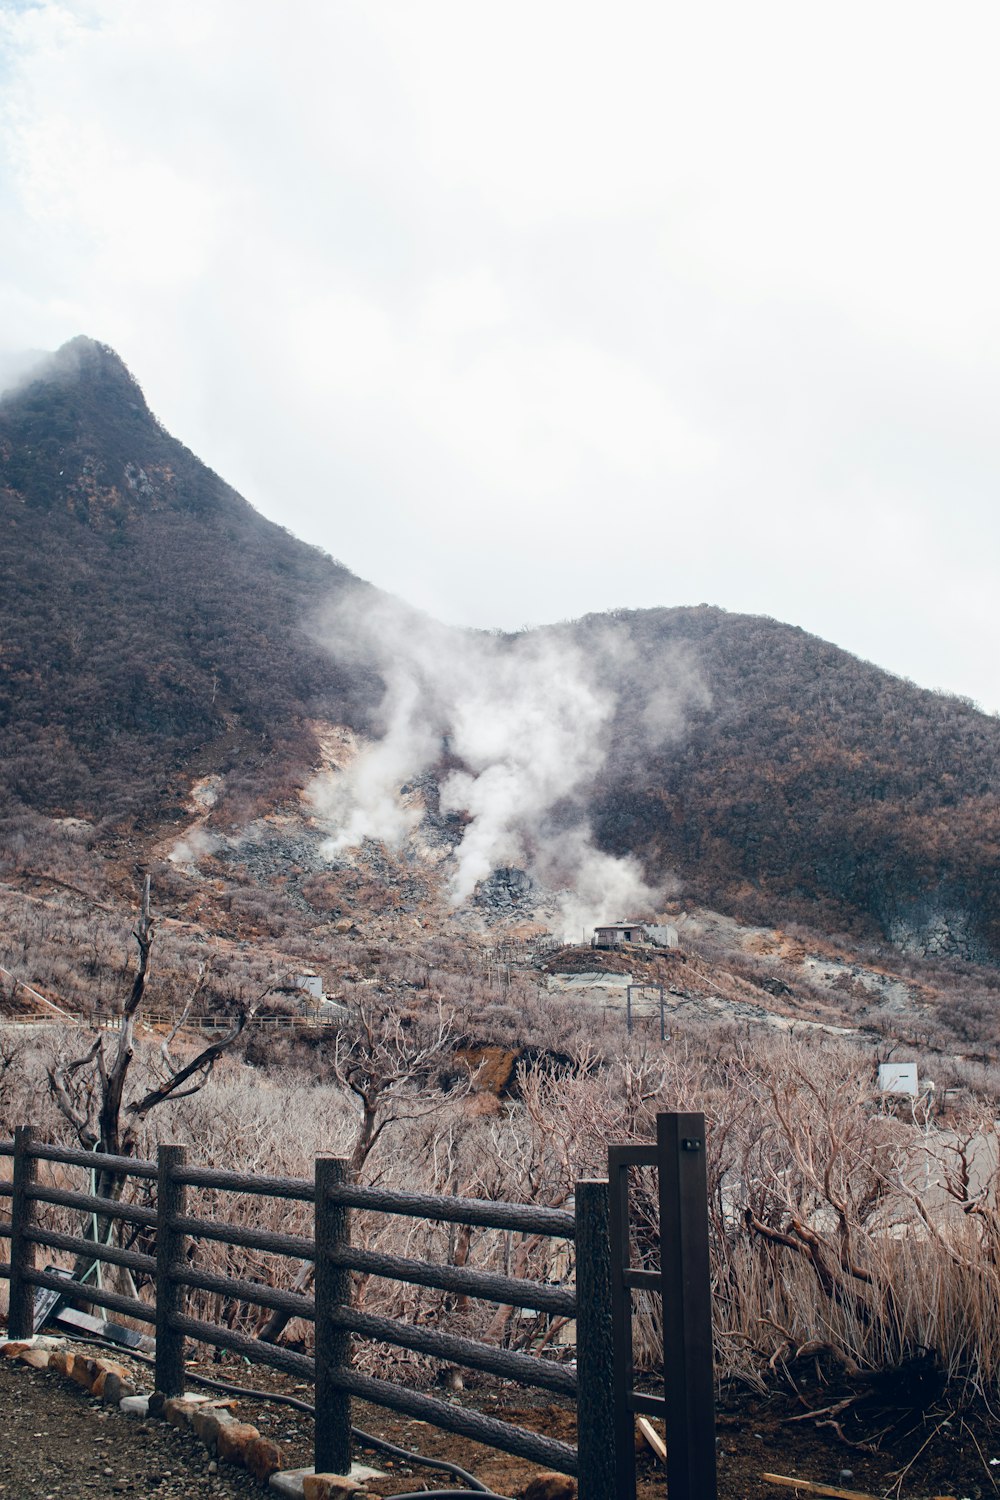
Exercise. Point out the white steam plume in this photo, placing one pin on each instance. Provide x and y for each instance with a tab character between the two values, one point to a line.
529	724
593	887
363	802
194	845
527	718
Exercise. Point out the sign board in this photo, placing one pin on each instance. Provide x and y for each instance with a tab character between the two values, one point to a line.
898	1078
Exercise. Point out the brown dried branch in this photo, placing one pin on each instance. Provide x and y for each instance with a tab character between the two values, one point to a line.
199	1068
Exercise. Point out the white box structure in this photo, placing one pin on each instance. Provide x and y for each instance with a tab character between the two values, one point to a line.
898	1078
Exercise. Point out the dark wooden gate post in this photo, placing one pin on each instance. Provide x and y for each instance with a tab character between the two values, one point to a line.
595	1404
171	1199
687	1307
621	1316
23	1210
333	1344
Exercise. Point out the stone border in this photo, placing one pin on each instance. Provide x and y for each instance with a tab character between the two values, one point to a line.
226	1439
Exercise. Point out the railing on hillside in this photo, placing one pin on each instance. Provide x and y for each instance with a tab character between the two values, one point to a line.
107	1020
335	1319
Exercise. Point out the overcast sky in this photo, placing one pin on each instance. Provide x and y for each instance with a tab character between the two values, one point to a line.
524	310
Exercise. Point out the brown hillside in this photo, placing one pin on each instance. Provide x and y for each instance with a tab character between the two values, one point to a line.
154	629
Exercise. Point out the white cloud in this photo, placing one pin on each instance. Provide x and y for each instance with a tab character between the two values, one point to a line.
528	311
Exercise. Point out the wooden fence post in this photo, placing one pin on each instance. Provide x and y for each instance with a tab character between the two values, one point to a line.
688	1370
23	1211
595	1404
621	1322
171	1198
333	1344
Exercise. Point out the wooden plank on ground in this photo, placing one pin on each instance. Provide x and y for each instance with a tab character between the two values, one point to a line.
653	1438
810	1487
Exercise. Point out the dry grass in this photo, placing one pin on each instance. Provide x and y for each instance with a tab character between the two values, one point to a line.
838	1227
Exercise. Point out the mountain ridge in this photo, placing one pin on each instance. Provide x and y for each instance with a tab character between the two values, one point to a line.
156	628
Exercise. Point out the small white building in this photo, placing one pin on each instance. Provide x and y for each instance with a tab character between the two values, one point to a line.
662	934
304	988
614	934
618	933
311	983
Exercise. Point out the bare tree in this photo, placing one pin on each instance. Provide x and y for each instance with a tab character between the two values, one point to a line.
392	1066
816	1181
91	1091
11	1060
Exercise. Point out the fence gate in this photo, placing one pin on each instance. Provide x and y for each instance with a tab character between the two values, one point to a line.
688	1402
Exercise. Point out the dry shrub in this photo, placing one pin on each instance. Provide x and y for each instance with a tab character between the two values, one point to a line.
838	1225
829	1233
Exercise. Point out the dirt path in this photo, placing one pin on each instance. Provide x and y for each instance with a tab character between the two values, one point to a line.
58	1442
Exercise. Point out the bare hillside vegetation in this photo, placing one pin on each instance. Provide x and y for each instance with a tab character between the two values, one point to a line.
156	630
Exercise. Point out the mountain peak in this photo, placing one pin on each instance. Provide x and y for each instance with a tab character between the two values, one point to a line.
76	434
86	362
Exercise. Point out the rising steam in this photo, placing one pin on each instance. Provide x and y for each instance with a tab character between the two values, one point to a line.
516	729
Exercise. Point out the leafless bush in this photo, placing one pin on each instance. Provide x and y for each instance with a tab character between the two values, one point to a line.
838	1225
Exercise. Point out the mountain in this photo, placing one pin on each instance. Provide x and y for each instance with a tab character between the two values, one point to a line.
812	779
150	619
154	629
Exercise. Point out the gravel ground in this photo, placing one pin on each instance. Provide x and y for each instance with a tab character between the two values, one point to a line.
58	1442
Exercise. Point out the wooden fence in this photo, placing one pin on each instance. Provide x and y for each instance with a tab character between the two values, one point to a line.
683	1280
106	1020
333	1196
601	1383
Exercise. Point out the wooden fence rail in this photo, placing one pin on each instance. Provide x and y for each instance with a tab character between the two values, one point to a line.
336	1321
104	1020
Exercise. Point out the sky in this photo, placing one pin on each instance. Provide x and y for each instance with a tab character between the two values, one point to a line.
529	310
